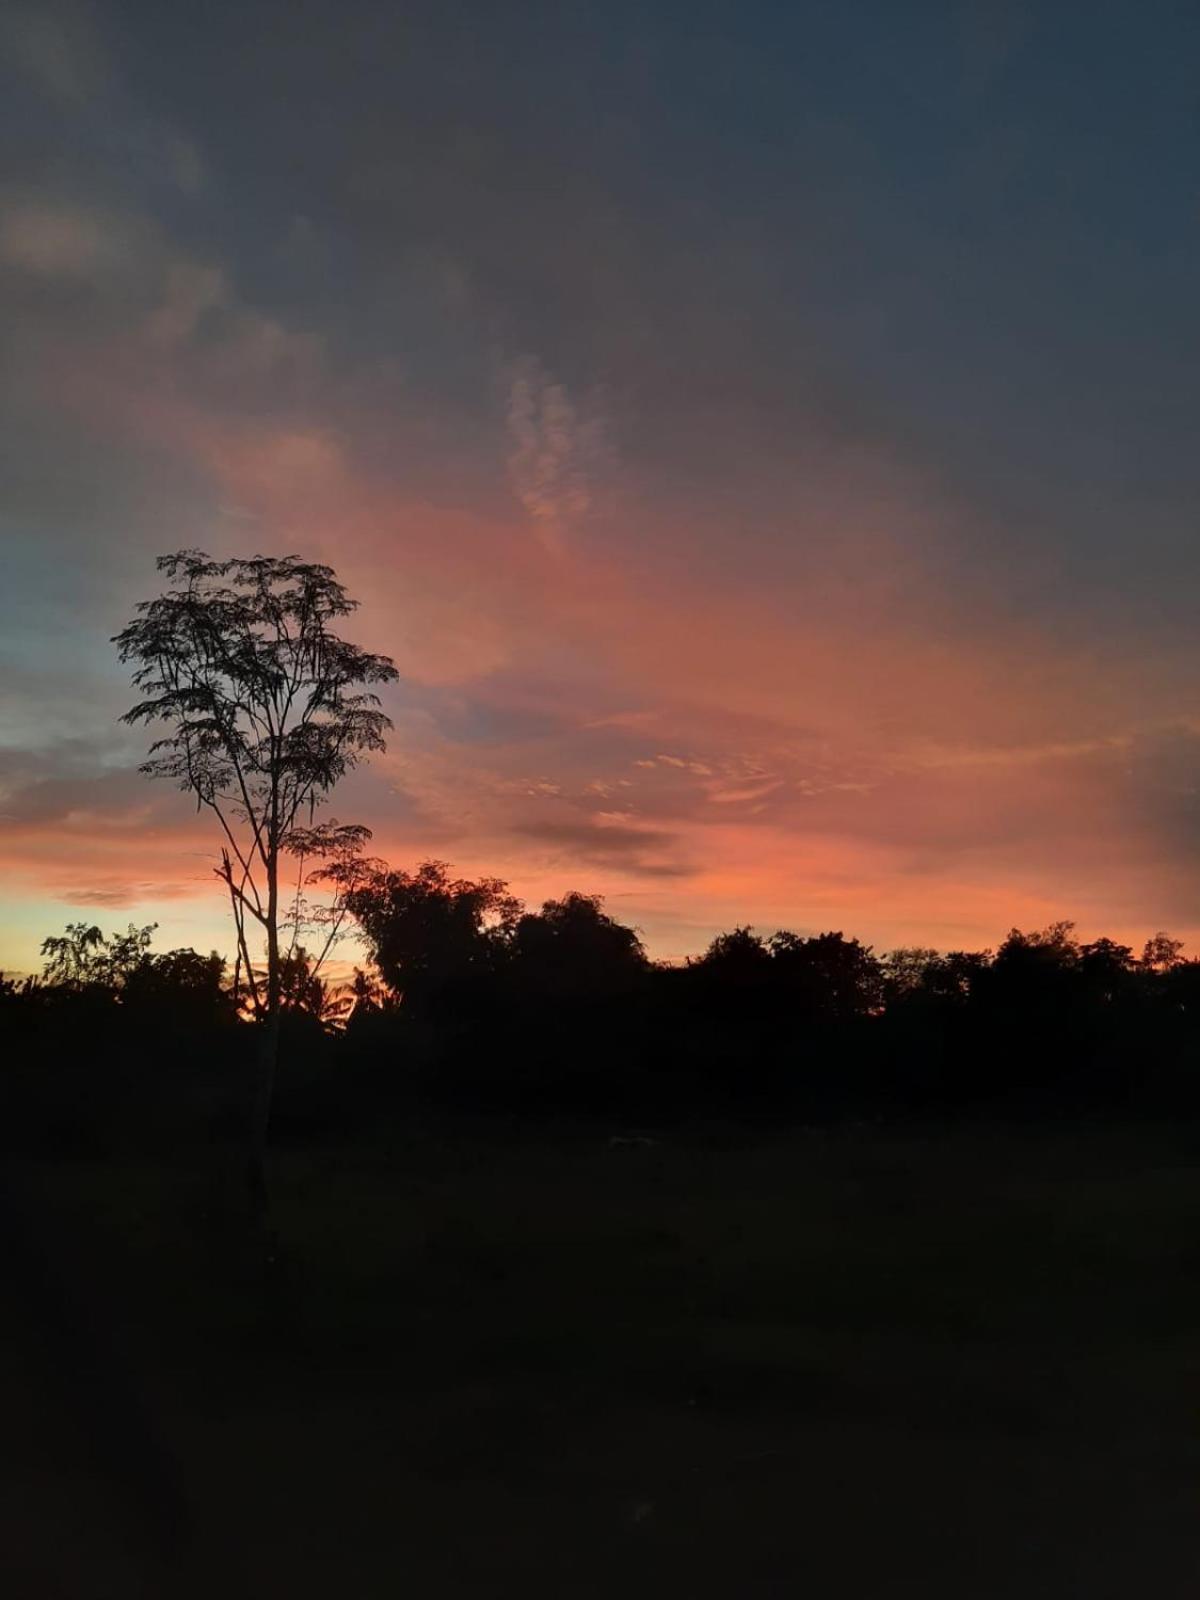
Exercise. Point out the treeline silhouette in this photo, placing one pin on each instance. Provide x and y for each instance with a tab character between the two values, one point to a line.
472	1005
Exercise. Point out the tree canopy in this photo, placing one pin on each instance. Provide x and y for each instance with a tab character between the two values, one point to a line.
266	708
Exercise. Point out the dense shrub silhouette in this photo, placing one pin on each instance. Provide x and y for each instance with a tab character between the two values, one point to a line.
474	1006
430	934
572	948
115	1043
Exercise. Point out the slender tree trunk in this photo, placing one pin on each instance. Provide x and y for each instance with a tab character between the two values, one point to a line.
268	1054
260	1113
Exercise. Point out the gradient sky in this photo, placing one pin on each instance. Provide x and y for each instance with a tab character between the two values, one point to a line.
763	434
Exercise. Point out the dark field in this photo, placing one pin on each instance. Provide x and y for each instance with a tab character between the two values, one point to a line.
855	1363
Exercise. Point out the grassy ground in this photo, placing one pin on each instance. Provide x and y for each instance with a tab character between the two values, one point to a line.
852	1364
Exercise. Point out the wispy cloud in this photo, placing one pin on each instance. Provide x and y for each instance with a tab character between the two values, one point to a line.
610	843
56	240
191	289
556	451
57	49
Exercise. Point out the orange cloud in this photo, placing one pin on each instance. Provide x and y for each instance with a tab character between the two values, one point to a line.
831	738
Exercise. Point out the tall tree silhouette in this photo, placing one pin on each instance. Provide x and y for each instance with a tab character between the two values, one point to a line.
266	709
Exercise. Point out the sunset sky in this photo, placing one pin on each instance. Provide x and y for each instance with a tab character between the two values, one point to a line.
764	435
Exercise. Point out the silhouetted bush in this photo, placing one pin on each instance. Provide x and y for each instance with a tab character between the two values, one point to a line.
479	1009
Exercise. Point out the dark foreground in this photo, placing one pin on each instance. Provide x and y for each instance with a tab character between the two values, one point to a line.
854	1363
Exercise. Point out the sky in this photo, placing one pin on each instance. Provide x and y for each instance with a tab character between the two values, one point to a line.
763	435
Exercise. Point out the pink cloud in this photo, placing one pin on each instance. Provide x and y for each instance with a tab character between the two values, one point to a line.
847	745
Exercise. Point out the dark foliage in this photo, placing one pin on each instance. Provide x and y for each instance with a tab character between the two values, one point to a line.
474	1006
115	1045
433	937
